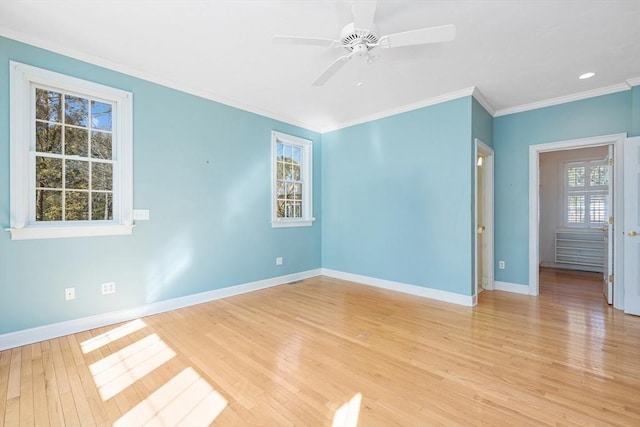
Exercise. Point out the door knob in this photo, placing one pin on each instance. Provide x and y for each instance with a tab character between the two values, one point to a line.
633	233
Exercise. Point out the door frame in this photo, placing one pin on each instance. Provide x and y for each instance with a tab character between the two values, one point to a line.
487	181
617	140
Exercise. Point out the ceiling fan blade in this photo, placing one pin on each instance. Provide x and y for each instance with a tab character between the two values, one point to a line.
444	33
331	70
306	41
363	13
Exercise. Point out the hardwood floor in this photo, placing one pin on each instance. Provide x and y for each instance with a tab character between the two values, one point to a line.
324	351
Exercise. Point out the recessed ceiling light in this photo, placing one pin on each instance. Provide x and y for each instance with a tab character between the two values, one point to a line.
586	75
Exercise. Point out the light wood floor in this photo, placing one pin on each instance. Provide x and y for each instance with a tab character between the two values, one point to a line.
326	351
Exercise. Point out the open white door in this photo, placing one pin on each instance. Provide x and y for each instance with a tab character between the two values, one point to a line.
608	229
632	226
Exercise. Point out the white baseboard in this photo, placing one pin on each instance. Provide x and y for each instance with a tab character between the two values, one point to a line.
511	287
563	266
41	333
421	291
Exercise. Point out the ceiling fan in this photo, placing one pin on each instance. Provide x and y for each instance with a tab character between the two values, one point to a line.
359	39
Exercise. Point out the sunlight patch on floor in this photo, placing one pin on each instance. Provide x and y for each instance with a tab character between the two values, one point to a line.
108	337
118	371
187	399
347	415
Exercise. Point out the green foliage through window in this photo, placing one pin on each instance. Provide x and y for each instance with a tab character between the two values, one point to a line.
74	157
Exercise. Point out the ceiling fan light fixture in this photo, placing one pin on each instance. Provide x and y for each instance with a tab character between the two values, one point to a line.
586	75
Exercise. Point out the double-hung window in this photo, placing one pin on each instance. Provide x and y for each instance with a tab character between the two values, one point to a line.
291	199
586	193
71	165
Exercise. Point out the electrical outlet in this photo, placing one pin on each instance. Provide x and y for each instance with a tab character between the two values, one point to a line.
108	288
69	294
279	260
501	265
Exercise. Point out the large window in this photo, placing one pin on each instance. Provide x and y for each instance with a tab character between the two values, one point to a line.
291	181
70	156
586	187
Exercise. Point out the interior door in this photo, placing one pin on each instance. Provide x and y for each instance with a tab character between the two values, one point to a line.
608	229
632	226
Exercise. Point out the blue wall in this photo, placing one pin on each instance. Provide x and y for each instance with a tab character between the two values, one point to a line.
203	170
513	134
396	198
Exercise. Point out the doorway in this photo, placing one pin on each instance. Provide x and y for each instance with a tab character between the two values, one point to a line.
483	221
616	141
575	190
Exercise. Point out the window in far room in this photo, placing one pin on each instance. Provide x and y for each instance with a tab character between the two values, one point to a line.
586	186
291	181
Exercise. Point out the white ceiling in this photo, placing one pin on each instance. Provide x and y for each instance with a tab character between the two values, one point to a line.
515	52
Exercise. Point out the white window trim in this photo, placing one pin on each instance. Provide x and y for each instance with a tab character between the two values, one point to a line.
307	185
564	166
22	77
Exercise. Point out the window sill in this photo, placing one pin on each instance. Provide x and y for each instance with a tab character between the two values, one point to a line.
292	223
31	233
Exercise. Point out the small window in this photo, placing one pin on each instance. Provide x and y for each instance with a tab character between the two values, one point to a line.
586	189
71	168
291	181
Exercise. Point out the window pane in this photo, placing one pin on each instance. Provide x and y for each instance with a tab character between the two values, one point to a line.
101	176
76	110
280	151
297	209
287	153
101	206
575	210
288	171
280	190
48	138
48	205
101	145
280	209
599	175
48	105
280	170
48	172
76	142
296	155
100	115
295	172
76	205
597	208
575	176
290	189
297	191
76	174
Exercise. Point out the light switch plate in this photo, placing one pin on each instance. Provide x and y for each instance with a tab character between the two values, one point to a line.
141	214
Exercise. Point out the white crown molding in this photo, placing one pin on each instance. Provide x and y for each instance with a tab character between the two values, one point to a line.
402	109
483	101
41	333
150	77
421	291
564	99
635	81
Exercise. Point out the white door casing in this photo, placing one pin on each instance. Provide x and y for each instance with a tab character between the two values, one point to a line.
487	257
617	141
632	226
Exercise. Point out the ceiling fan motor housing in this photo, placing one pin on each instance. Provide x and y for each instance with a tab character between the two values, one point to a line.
358	40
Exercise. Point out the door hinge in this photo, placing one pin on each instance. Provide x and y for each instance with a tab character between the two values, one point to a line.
611	161
611	278
610	220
